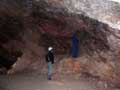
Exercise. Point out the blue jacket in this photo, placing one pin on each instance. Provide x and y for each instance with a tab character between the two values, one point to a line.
75	43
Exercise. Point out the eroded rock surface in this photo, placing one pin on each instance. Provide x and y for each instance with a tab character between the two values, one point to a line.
29	27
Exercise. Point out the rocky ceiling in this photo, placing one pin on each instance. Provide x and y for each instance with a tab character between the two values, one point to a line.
107	11
58	18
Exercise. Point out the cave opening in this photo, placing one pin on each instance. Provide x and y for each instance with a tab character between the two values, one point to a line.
10	30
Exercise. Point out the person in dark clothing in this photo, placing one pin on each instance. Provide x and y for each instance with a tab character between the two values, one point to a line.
75	43
50	61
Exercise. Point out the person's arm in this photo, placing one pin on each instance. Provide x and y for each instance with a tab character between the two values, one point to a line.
52	58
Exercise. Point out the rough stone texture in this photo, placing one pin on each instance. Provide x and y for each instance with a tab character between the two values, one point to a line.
69	66
37	24
104	10
41	23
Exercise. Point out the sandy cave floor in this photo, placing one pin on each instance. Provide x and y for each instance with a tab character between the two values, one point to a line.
40	82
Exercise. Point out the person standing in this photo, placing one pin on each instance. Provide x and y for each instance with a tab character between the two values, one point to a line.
75	44
50	61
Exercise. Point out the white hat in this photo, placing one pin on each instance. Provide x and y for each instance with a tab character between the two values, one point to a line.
50	48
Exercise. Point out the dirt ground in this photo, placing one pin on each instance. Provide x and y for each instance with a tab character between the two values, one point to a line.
40	82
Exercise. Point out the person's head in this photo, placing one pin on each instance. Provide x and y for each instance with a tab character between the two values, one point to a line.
50	48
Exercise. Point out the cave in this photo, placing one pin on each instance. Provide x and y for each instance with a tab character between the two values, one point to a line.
53	27
10	30
28	28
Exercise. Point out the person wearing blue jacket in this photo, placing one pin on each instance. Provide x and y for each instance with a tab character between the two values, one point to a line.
75	43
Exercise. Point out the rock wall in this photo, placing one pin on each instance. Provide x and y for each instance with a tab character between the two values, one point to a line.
31	26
